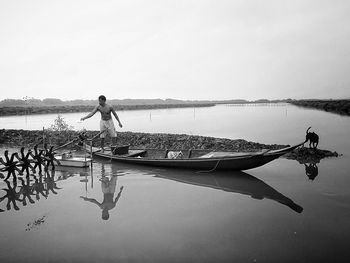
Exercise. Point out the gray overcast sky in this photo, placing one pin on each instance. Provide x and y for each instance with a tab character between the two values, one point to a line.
247	49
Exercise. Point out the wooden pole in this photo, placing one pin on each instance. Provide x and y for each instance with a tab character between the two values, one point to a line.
64	145
91	150
43	137
84	149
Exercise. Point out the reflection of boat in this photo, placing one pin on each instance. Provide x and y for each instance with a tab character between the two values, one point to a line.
195	159
228	181
235	182
72	169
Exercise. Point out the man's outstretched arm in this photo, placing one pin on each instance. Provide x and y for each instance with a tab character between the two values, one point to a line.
90	114
119	194
92	200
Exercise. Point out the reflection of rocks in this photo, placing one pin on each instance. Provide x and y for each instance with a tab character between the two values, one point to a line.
306	155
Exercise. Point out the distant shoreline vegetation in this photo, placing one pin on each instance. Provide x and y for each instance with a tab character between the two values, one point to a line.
341	107
23	110
10	107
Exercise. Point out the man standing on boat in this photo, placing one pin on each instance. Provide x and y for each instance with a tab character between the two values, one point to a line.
106	123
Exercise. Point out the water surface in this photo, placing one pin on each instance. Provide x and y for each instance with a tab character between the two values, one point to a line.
281	212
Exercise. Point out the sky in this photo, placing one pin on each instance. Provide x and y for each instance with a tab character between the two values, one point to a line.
191	50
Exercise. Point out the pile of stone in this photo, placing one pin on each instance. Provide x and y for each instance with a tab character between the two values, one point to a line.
28	139
309	155
135	140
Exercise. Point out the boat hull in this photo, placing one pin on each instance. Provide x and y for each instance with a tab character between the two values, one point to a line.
233	163
79	162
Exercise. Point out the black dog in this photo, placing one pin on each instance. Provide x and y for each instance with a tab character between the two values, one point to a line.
312	138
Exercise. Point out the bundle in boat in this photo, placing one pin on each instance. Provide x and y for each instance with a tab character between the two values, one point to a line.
120	149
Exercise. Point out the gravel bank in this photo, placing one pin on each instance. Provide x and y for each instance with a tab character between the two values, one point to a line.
18	138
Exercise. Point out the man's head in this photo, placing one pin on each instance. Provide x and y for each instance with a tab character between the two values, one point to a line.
102	100
105	214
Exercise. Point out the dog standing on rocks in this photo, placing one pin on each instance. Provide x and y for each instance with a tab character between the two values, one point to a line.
312	137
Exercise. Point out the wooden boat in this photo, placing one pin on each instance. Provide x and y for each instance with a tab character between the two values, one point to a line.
192	159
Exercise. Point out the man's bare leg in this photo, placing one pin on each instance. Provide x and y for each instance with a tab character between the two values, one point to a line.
102	144
114	141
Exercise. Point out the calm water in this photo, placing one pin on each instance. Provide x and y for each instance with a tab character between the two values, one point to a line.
274	213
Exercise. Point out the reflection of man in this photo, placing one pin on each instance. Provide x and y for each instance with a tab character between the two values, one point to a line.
108	189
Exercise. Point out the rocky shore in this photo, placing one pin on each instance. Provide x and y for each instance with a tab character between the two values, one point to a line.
306	155
18	138
137	140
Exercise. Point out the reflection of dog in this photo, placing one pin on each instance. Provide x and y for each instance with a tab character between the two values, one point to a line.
312	138
311	170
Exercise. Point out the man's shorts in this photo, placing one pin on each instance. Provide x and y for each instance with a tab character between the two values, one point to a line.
108	186
108	127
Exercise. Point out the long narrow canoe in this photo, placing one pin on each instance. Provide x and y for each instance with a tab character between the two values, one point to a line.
205	160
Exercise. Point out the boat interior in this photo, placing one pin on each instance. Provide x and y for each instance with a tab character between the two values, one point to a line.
178	153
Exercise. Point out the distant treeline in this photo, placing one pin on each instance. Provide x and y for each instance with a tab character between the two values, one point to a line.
22	110
127	102
58	102
52	105
337	106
